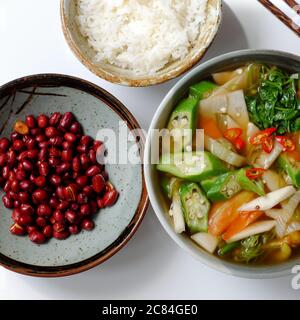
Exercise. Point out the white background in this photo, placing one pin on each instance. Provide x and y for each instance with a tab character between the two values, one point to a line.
151	266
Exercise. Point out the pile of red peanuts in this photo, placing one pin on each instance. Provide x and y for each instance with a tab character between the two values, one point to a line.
51	177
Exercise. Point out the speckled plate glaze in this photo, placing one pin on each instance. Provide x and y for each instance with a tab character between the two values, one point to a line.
95	109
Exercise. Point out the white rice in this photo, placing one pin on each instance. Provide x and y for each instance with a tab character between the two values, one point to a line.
142	36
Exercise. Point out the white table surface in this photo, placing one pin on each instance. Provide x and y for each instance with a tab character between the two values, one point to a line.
151	266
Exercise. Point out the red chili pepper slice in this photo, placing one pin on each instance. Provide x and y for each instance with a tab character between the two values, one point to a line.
268	144
233	133
239	143
287	143
260	136
254	173
234	136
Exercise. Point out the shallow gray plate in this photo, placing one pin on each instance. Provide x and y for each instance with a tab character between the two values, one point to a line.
95	109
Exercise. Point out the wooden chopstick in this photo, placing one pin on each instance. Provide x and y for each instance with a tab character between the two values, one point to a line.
281	15
291	3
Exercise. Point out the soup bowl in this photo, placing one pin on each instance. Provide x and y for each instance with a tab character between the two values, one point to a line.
224	62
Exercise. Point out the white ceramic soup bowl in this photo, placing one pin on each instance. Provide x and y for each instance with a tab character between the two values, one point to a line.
224	62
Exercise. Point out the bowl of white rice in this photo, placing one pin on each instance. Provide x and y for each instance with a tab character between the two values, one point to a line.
140	42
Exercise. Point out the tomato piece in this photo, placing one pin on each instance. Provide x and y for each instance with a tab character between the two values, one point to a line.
287	143
239	144
254	173
233	133
268	144
260	136
244	219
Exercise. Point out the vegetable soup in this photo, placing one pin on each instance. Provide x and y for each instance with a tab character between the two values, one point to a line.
238	196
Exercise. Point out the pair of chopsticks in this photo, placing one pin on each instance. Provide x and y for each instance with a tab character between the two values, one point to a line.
288	11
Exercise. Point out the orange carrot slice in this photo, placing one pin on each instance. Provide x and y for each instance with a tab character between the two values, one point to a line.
243	220
210	127
215	207
224	214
